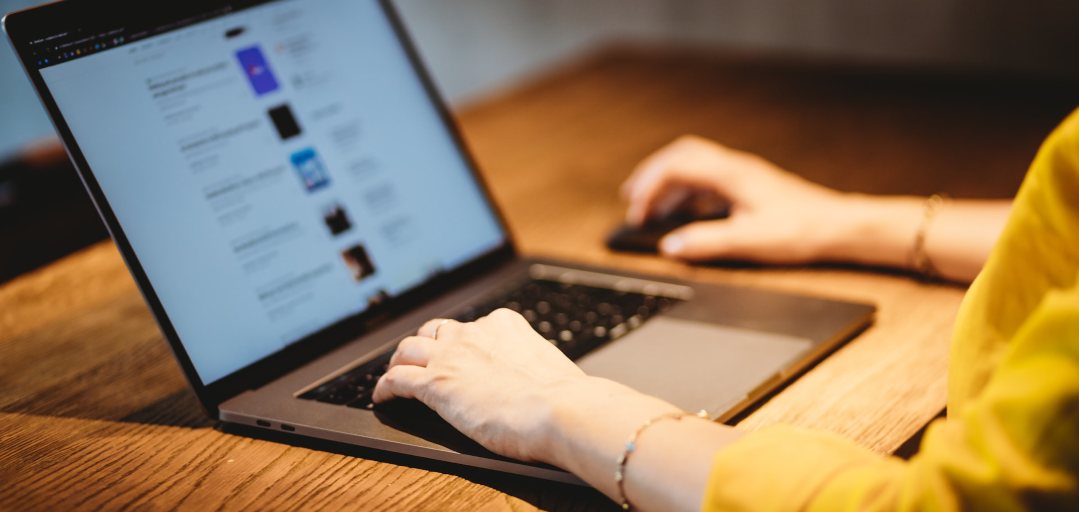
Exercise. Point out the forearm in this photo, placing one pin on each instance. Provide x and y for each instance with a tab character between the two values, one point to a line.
882	231
962	235
670	466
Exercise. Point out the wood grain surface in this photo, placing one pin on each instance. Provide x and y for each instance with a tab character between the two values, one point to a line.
94	412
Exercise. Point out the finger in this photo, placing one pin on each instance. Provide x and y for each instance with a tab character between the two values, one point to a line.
648	183
708	240
661	158
413	351
683	174
663	191
438	326
401	382
690	163
652	164
670	200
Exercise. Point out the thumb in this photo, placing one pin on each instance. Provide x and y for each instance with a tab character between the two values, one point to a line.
706	240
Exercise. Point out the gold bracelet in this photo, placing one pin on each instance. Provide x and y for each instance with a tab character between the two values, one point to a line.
920	261
631	446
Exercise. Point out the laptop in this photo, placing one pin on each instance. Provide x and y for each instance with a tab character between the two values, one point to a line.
293	198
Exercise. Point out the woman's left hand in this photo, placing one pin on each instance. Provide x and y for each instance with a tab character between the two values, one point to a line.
496	380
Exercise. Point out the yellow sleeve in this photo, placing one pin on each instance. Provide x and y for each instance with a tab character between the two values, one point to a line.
1014	447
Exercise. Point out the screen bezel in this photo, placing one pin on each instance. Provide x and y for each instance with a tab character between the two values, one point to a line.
21	26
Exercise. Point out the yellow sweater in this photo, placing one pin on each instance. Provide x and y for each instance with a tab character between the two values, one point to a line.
1011	439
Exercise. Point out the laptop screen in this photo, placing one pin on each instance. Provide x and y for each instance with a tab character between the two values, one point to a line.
275	169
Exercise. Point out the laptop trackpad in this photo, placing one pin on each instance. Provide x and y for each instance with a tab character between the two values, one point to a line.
695	365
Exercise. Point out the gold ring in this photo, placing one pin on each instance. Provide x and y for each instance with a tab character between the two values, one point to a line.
437	327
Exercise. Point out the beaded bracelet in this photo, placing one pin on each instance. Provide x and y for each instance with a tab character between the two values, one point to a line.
631	446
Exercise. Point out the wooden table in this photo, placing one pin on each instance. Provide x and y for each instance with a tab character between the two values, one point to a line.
94	413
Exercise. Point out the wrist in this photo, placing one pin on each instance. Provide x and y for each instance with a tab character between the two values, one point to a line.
872	230
593	415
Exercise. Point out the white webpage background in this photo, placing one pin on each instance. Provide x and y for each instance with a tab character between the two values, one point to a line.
345	76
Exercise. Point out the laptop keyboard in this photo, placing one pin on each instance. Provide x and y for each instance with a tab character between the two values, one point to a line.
575	318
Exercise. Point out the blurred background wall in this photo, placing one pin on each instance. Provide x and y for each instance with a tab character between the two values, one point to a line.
477	46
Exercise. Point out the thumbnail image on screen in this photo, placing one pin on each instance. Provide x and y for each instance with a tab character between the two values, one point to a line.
276	170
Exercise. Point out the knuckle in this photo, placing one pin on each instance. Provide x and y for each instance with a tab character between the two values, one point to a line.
692	143
451	331
397	378
406	346
441	330
391	377
503	313
686	140
438	382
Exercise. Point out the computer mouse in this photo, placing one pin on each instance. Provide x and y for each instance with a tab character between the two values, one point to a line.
646	238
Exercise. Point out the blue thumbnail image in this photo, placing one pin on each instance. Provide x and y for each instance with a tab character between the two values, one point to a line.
311	170
257	70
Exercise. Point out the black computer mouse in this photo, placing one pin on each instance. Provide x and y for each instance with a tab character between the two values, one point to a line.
646	238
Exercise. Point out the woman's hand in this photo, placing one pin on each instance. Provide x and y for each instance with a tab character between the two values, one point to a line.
775	216
502	384
496	380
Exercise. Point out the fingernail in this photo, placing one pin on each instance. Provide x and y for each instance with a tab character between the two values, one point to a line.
672	244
